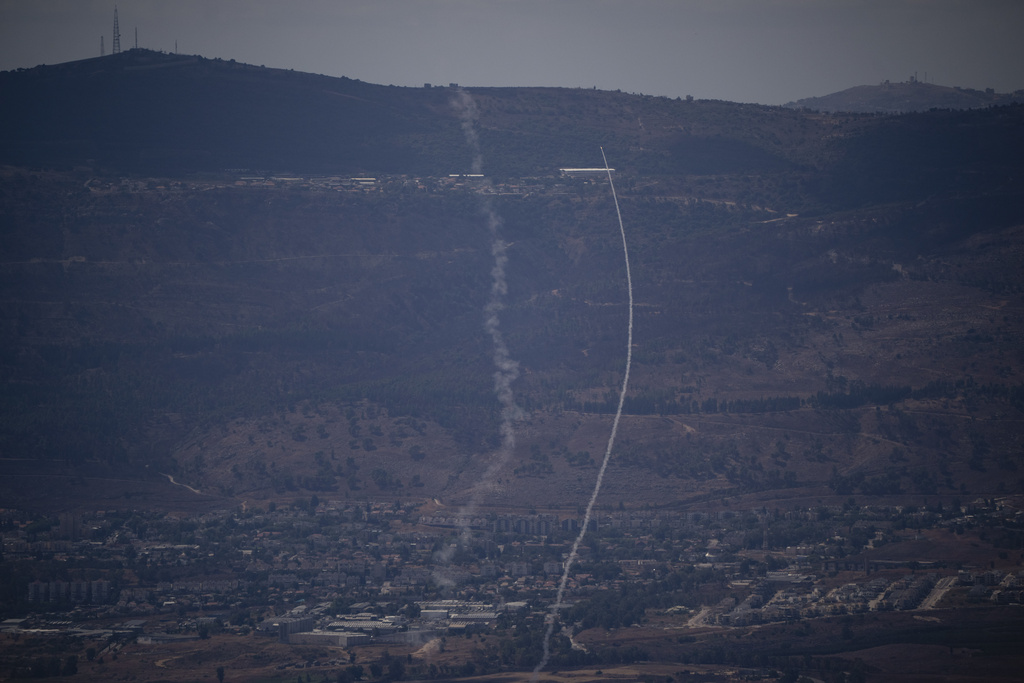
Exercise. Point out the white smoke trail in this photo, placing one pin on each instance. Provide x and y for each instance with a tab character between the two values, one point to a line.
506	370
550	620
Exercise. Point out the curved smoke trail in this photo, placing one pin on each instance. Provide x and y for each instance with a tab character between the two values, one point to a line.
550	620
506	370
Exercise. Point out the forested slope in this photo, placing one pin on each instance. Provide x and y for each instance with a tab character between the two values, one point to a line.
825	305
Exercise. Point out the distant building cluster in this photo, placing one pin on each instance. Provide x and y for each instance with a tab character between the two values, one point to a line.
556	182
95	592
369	573
436	617
584	172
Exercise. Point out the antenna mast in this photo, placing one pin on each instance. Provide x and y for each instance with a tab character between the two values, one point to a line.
102	50
116	47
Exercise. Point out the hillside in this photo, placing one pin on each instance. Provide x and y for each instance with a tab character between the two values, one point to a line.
910	96
195	287
146	112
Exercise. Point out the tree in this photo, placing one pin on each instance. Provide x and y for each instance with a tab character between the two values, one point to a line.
351	673
220	674
70	666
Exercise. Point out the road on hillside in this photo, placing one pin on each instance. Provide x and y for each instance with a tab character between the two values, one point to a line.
943	585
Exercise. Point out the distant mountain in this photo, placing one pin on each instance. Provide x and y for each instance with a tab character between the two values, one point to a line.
148	112
911	96
266	283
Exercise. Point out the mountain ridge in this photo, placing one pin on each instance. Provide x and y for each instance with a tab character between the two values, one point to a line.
908	96
825	302
191	114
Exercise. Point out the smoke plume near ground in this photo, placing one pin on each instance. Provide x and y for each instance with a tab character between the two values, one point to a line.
552	615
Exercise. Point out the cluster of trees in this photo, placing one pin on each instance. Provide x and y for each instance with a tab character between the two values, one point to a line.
663	403
893	481
627	605
857	393
44	667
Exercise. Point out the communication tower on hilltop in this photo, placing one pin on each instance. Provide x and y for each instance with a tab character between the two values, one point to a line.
102	51
116	47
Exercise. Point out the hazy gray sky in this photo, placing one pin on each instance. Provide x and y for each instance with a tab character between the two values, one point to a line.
768	51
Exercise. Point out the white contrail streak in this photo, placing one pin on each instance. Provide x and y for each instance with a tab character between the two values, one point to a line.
607	452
